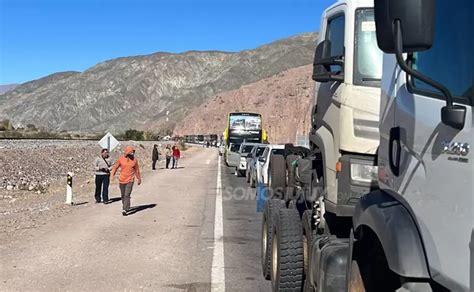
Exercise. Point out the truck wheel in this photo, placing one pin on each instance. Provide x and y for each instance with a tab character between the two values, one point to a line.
290	175
272	206
287	251
277	175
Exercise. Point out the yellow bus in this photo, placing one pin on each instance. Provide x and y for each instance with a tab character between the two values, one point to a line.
244	127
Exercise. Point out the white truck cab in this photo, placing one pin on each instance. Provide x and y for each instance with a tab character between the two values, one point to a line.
324	184
347	71
425	165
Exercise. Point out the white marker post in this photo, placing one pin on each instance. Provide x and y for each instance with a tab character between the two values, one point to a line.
69	188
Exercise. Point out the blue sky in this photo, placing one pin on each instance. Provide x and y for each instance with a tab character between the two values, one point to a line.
40	37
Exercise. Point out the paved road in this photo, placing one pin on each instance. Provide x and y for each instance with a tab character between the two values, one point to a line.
167	245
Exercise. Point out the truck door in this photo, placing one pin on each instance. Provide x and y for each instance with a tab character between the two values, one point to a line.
431	167
326	116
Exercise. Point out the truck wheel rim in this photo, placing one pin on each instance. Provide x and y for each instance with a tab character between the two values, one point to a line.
264	239
274	257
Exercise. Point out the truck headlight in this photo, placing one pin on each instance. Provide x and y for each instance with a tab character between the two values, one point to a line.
363	173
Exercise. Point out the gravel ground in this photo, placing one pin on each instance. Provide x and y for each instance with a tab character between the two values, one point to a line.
33	174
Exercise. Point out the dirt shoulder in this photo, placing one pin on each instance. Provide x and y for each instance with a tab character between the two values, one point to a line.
22	209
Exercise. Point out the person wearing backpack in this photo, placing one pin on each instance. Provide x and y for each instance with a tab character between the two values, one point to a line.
102	167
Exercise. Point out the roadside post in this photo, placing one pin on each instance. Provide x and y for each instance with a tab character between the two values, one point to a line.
69	197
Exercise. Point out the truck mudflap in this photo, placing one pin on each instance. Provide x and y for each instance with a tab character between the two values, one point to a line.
328	263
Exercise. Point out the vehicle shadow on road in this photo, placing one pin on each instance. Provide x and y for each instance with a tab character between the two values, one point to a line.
136	209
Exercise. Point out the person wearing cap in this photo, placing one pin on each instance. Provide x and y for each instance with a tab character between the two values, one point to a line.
129	170
102	166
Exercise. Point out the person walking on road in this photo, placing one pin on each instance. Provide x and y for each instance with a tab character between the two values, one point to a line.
129	169
168	154
176	156
102	166
155	156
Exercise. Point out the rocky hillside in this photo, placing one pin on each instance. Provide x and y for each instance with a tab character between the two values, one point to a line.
283	100
5	88
137	92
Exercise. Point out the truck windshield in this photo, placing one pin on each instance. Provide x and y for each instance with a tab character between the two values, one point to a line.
450	60
368	57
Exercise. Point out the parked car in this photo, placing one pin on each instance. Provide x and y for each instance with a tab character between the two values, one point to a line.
252	161
232	156
244	151
264	162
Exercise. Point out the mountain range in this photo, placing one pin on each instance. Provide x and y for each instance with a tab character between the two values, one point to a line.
151	92
7	87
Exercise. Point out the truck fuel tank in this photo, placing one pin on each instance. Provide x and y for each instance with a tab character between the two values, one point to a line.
328	263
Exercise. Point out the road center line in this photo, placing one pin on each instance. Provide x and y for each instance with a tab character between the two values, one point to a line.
218	272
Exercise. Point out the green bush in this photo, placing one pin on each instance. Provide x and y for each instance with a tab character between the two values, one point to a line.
136	135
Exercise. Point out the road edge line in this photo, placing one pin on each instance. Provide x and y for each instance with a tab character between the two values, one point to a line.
218	271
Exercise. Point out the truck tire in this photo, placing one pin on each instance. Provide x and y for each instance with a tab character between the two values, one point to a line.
277	176
290	175
287	251
272	206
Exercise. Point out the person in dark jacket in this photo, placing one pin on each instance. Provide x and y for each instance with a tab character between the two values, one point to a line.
102	166
155	156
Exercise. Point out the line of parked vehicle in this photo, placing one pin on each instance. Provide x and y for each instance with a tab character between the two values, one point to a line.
252	160
382	198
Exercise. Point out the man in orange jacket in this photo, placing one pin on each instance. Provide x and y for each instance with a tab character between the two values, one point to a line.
129	169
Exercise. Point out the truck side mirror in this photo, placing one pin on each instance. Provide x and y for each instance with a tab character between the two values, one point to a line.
322	71
417	18
407	26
